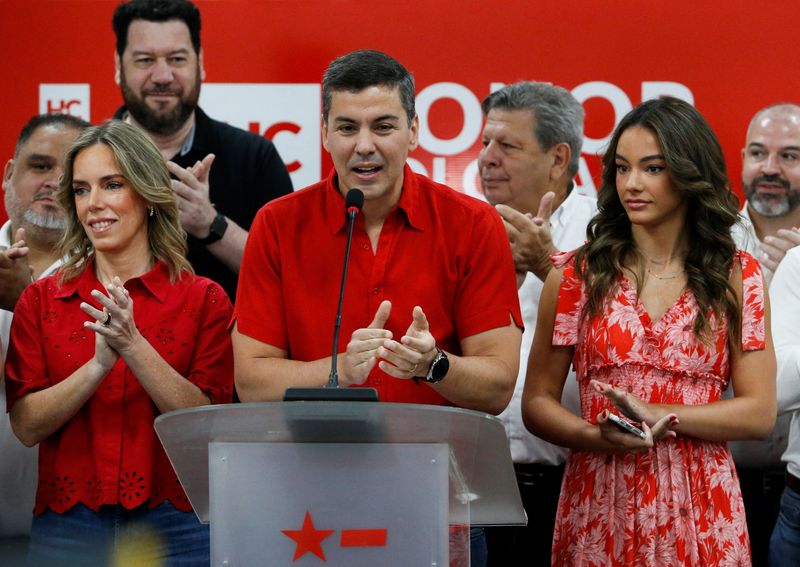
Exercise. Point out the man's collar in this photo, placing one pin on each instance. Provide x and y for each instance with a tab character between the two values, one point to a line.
409	203
188	142
198	139
5	235
557	217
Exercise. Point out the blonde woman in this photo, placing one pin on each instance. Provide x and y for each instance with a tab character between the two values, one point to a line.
125	331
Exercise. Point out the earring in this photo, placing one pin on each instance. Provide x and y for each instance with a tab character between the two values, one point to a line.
152	211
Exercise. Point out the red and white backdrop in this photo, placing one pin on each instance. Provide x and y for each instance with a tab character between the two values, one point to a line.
264	60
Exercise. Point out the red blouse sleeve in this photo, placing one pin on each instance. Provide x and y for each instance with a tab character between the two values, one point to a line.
569	304
753	337
26	365
212	361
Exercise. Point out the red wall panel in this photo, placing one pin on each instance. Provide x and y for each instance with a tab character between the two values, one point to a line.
733	57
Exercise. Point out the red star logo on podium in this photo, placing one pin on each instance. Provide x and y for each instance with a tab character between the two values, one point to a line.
308	539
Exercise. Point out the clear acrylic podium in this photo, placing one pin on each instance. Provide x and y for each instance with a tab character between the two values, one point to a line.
342	483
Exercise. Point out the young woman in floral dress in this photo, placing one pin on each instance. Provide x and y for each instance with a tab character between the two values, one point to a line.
658	312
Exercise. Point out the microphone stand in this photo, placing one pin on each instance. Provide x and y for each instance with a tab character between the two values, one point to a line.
333	377
331	391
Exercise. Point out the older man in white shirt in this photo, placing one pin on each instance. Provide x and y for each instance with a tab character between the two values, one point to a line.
28	251
531	145
784	293
771	186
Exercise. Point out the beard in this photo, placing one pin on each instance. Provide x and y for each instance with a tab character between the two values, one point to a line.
45	227
768	205
161	122
45	221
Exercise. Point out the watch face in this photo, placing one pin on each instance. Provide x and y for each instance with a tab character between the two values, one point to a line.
217	229
219	225
440	367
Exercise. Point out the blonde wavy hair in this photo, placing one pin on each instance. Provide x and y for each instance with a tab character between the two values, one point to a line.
142	166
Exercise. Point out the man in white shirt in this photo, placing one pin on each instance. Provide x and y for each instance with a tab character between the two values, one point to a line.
784	546
28	242
771	186
771	181
531	145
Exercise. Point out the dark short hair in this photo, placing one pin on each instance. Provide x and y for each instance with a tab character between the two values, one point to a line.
39	120
366	68
558	114
155	11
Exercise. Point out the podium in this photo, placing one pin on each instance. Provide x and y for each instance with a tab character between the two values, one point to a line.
342	483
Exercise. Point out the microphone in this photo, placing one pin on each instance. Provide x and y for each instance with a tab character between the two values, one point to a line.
353	203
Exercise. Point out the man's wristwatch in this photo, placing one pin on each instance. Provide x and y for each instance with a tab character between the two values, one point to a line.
216	231
438	369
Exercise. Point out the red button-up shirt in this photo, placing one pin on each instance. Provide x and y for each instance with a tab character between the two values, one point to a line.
438	248
108	453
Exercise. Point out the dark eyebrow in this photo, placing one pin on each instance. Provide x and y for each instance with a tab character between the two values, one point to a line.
41	157
653	157
763	147
380	118
181	51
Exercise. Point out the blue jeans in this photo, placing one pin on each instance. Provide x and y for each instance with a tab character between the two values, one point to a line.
784	545
478	552
81	536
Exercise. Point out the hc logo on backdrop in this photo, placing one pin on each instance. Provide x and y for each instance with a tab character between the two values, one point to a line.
288	114
64	98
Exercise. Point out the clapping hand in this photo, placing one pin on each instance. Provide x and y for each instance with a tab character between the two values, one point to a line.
114	327
530	237
362	350
775	247
15	273
413	355
192	192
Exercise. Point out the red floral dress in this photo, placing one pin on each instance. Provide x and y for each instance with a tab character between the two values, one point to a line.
679	503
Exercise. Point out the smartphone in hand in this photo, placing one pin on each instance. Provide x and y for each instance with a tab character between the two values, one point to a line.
626	426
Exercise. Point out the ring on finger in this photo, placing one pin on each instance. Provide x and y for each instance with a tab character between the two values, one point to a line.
108	320
413	370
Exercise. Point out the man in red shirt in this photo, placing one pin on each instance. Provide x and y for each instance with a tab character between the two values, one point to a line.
431	291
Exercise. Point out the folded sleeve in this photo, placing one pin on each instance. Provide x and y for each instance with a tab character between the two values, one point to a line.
212	361
260	312
487	295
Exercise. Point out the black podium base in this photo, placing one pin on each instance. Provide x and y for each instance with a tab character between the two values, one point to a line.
330	395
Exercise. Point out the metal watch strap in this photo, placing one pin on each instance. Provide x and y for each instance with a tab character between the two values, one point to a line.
433	377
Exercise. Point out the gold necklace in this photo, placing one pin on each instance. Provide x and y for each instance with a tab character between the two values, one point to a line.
662	277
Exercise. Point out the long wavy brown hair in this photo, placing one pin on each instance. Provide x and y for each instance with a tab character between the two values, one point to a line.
141	164
696	167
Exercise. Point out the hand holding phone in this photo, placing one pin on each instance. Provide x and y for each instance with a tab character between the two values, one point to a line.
626	426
